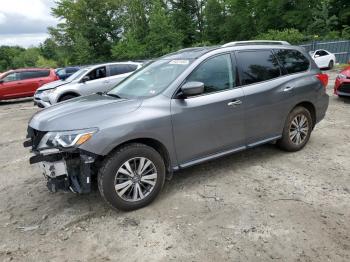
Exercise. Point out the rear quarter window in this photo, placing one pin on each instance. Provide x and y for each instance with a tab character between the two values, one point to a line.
293	61
122	69
257	66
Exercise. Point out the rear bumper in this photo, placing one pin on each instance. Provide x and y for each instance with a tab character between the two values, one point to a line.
321	107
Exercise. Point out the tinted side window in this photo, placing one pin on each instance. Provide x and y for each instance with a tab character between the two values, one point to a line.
257	66
97	73
34	74
292	60
321	53
121	69
216	74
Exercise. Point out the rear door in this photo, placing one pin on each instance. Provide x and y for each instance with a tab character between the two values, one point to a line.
32	80
267	96
214	121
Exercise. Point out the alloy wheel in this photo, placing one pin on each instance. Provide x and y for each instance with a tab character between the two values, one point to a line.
135	179
299	129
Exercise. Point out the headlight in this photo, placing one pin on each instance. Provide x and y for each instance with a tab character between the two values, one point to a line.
48	91
66	138
341	76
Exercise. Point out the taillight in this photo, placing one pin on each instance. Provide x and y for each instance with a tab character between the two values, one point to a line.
324	79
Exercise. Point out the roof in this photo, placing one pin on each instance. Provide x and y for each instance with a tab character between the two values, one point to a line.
29	69
256	42
190	53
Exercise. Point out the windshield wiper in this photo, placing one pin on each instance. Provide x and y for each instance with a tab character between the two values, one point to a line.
113	95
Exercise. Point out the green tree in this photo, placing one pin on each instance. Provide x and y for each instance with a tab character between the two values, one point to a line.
292	35
27	58
91	24
214	19
163	36
323	23
185	16
45	63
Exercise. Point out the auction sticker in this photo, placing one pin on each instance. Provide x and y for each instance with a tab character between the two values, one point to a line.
179	62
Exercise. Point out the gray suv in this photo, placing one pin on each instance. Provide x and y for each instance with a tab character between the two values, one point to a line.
182	109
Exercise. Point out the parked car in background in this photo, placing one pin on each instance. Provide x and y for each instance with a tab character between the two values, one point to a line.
323	58
24	82
64	73
342	83
183	109
86	81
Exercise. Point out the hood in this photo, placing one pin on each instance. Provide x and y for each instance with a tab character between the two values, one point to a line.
346	71
53	84
82	112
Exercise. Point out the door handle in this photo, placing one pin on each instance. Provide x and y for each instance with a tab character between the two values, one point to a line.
235	102
288	88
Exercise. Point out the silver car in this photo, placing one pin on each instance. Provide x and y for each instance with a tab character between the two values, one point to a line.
183	109
86	81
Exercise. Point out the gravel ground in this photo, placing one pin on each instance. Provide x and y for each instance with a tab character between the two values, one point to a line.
259	205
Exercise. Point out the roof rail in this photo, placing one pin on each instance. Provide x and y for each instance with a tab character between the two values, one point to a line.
256	42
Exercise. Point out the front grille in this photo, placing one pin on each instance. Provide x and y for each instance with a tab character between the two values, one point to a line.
35	136
344	88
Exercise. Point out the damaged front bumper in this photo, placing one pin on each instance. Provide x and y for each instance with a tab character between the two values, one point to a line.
65	169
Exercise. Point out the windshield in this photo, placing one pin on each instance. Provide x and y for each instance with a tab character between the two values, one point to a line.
151	79
76	75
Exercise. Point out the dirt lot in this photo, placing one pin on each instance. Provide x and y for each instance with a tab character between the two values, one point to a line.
258	205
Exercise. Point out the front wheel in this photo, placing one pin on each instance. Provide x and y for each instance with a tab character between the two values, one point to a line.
131	177
297	130
67	97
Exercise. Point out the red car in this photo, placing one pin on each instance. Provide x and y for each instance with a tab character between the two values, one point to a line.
24	82
342	83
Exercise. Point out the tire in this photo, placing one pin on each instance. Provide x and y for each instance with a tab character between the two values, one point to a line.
291	143
114	171
331	65
67	97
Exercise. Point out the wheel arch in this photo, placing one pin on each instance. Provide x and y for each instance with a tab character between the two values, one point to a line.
310	107
156	145
67	93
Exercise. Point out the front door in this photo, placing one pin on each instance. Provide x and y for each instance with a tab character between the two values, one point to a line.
214	121
12	86
97	81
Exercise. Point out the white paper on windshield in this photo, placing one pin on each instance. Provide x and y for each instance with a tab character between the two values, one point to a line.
179	62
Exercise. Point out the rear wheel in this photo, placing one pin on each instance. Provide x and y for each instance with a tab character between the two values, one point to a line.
331	64
297	130
131	177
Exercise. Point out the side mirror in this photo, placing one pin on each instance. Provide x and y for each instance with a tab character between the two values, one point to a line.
85	79
192	89
317	56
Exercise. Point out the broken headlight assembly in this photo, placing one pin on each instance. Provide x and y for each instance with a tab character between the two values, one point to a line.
66	139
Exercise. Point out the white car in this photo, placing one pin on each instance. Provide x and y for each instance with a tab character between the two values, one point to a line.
323	58
86	81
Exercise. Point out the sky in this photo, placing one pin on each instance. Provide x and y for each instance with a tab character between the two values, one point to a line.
25	22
